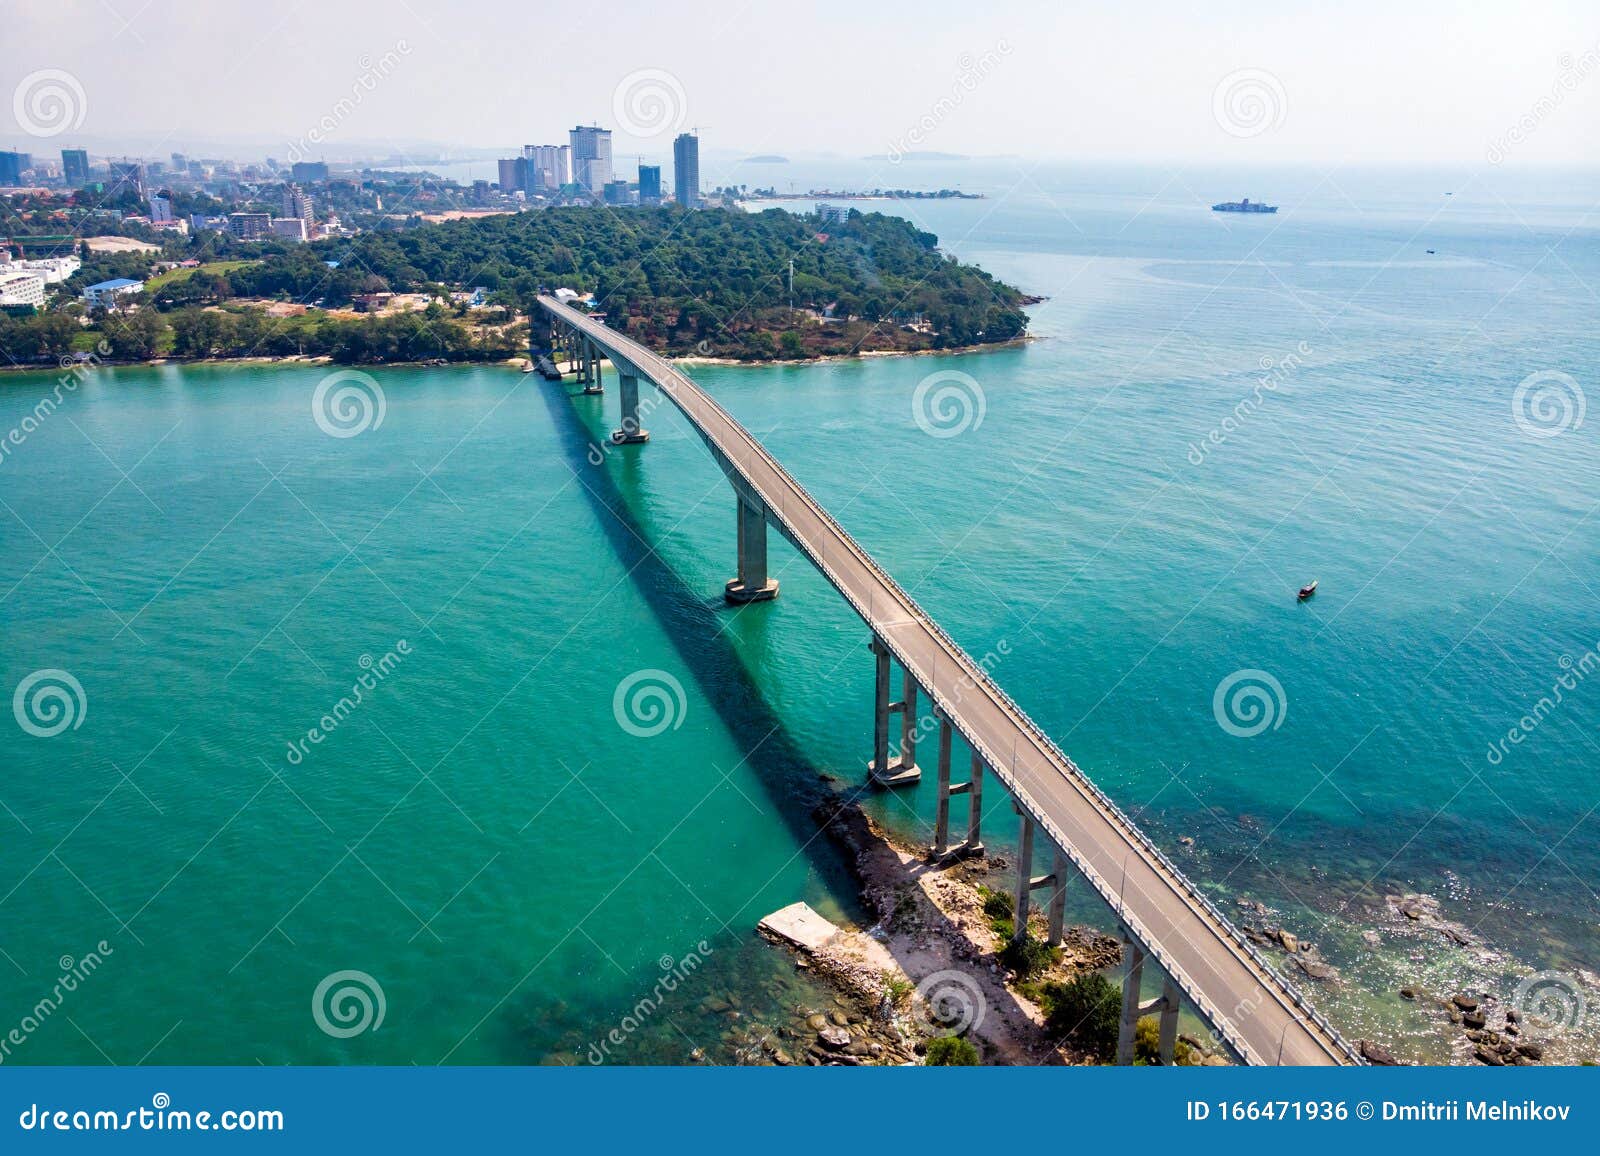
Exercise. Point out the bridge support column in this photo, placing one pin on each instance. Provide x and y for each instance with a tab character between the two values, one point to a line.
908	722
752	584
592	382
1169	1022
632	431
975	809
882	771
1058	901
1132	975
941	823
1024	890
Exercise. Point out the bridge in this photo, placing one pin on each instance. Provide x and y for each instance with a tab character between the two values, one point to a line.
1258	1014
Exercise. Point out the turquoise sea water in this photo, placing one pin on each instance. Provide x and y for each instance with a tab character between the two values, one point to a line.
515	869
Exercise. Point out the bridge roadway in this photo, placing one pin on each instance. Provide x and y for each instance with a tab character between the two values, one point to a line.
1255	1011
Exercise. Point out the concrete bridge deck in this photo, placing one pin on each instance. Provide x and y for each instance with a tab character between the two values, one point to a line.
1260	1015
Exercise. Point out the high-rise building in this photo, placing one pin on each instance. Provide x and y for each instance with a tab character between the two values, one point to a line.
591	157
686	169
618	193
549	167
513	175
250	226
180	163
649	184
161	208
299	205
309	172
75	167
12	166
126	176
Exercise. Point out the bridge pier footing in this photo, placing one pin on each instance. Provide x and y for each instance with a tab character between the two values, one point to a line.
752	584
903	771
632	431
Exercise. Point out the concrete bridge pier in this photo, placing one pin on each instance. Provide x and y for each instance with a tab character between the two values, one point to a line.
593	380
1057	911
972	788
1169	1022
1132	974
1028	883
632	431
752	584
903	771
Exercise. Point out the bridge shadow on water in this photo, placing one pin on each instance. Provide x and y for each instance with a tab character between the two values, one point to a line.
795	786
693	622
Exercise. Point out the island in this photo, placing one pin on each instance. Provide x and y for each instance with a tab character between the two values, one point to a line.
713	283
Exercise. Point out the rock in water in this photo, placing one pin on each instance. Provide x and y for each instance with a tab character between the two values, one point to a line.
1377	1055
835	1038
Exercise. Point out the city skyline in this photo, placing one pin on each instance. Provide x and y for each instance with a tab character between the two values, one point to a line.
1083	82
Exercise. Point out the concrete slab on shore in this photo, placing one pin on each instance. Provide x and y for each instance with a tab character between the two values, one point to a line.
797	924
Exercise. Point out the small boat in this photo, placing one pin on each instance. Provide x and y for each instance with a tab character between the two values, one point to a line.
1430	252
1307	590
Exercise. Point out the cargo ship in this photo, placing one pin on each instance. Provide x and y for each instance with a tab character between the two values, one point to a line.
1244	206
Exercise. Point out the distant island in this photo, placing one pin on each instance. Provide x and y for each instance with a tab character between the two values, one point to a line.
721	283
771	194
766	160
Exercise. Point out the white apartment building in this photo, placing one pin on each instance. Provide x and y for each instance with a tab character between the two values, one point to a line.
53	270
21	288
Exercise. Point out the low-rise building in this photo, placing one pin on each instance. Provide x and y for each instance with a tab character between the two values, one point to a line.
106	292
289	228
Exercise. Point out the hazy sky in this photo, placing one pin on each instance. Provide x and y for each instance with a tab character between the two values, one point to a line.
1257	82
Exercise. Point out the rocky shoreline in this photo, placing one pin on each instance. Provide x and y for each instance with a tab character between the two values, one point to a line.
1478	1024
931	965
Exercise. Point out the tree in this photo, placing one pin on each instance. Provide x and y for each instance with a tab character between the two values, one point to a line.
135	336
951	1052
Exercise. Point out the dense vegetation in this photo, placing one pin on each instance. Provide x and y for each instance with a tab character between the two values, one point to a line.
713	283
238	331
715	280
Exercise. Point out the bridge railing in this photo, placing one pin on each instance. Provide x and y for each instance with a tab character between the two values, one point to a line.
1130	830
